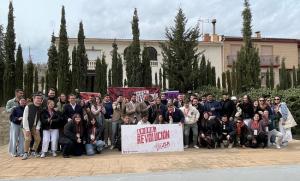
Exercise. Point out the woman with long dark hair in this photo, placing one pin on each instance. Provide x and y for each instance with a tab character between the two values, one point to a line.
93	142
73	139
257	136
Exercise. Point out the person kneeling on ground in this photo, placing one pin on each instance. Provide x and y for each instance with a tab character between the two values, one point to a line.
208	131
269	126
93	142
73	138
227	135
257	136
242	131
126	121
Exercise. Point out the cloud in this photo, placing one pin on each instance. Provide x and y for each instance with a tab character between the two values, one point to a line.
36	20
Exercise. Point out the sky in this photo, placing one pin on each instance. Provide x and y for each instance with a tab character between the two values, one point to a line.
35	20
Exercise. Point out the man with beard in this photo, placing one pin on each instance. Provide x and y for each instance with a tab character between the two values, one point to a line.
228	106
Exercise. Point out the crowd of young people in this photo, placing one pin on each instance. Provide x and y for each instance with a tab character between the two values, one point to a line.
72	126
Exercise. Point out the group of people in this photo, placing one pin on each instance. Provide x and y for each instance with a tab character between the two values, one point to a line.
73	126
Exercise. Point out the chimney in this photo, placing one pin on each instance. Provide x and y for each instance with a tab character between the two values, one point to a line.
214	21
206	37
258	34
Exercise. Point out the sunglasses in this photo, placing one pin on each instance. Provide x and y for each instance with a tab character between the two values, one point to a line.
276	99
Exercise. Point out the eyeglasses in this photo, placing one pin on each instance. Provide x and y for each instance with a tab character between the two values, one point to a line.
276	99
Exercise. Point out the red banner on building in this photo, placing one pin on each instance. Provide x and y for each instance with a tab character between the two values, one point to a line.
86	95
127	92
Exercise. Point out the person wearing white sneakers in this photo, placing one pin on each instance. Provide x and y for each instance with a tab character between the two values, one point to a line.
191	116
51	122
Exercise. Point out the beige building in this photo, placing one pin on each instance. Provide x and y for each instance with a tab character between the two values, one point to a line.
95	47
271	51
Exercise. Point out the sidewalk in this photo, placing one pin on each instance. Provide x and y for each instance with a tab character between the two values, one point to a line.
112	162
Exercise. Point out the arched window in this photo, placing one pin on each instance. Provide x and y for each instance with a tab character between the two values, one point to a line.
152	53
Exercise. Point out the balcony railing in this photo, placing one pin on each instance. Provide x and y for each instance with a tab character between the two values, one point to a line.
265	60
91	65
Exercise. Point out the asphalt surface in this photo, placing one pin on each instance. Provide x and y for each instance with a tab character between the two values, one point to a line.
265	173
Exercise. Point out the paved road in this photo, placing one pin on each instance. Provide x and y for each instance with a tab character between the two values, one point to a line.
267	173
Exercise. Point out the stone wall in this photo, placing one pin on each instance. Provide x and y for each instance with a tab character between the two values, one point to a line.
4	127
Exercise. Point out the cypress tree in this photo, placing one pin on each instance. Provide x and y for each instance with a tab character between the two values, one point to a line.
288	80
82	58
228	78
268	79
248	63
43	83
156	81
114	65
120	70
52	65
283	78
272	77
234	79
202	72
109	78
223	80
103	86
213	76
132	57
10	64
47	82
64	79
294	77
146	69
75	69
196	74
2	65
160	79
29	79
179	53
164	86
98	80
219	83
209	73
36	79
19	68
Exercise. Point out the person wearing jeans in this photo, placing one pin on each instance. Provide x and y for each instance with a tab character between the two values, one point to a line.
16	139
93	142
191	116
51	122
31	125
107	120
118	106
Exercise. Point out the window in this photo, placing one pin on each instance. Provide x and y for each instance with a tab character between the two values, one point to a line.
152	53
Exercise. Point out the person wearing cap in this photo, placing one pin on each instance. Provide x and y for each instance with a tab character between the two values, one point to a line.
144	120
31	125
191	116
228	106
227	135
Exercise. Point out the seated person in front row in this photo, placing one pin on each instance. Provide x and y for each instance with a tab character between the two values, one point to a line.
257	138
160	119
227	134
93	142
242	131
73	139
208	131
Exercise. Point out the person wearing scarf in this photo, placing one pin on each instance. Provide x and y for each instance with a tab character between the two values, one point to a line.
257	136
51	123
242	131
73	138
93	142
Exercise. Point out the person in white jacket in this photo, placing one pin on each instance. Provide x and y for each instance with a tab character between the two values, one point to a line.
191	115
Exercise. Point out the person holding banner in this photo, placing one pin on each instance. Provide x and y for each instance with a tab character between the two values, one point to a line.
158	108
118	107
144	120
174	115
126	121
191	116
160	119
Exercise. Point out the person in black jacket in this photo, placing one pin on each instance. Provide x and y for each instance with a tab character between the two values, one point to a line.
126	121
209	128
73	138
16	137
51	123
242	131
227	135
93	142
228	106
71	109
157	109
174	115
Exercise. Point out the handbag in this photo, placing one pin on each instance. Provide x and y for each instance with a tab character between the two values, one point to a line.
290	121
